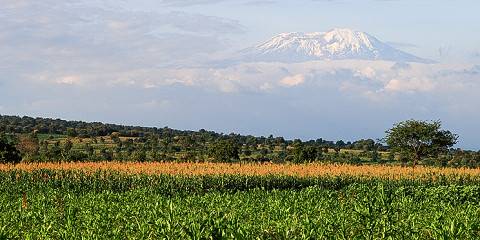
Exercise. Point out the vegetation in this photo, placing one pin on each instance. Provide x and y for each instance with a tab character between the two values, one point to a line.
225	151
99	181
419	139
251	169
8	152
74	205
78	180
49	140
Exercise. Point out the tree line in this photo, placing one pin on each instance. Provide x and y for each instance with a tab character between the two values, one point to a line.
44	139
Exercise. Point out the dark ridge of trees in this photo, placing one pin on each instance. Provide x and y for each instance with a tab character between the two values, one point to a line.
47	140
28	125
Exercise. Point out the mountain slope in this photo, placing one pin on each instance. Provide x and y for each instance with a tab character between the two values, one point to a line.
332	45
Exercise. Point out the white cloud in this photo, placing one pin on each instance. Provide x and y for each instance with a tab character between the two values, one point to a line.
291	81
367	72
409	85
69	80
82	43
362	78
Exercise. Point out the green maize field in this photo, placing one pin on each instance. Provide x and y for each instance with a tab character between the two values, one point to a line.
107	205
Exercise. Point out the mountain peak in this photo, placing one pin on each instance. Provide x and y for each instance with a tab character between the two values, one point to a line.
354	38
337	43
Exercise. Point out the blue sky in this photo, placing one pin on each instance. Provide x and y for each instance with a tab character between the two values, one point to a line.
149	63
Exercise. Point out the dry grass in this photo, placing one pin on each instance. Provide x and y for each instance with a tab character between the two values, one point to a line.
304	170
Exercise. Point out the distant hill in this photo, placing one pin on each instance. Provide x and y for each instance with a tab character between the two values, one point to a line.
52	140
26	125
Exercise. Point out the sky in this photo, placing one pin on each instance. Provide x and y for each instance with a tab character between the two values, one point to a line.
155	63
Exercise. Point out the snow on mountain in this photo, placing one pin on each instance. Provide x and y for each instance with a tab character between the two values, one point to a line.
335	44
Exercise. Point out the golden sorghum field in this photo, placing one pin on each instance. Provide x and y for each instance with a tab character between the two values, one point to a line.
303	170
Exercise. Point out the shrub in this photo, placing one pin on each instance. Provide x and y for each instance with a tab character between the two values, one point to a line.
8	152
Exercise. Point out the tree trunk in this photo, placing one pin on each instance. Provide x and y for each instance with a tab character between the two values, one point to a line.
415	160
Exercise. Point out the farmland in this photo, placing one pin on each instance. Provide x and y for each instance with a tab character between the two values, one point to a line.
240	119
300	170
215	201
76	180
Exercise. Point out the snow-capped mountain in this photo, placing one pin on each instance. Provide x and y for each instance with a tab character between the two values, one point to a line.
332	45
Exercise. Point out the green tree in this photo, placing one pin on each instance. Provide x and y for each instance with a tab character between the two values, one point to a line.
296	151
139	155
8	152
71	132
375	156
225	151
90	150
106	154
308	154
55	152
419	139
67	148
302	153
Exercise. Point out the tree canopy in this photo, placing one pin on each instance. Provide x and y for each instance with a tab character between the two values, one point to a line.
8	152
50	140
225	151
419	139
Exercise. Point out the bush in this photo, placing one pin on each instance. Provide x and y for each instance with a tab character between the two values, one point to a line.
225	151
8	152
77	156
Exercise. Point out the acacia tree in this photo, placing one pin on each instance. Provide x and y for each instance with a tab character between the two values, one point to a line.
419	139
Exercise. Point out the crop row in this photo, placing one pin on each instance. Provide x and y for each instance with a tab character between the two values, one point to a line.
302	170
99	181
107	205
